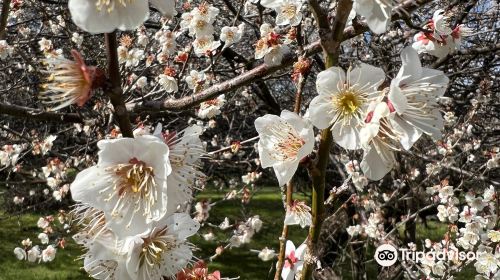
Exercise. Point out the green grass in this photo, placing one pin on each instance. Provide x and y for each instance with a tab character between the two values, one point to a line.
240	261
12	231
232	263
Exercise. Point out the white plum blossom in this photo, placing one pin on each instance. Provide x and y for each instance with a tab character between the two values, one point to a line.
294	260
288	11
168	83
5	49
376	12
354	230
342	100
447	213
48	254
45	45
255	223
202	210
195	80
34	254
445	192
225	224
185	153
208	236
77	39
211	108
18	200
267	254
47	144
360	181
131	58
378	139
250	177
104	16
20	253
441	39
9	154
162	251
374	228
269	46
141	82
200	20
298	214
70	82
489	194
487	263
441	23
43	222
284	141
129	183
413	96
231	34
44	238
494	235
205	45
157	252
425	43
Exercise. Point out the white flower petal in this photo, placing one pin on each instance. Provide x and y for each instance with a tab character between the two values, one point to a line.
86	16
376	164
182	225
408	133
347	136
166	7
367	77
321	111
329	81
284	171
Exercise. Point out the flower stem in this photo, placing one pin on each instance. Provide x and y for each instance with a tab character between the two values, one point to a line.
115	91
284	234
289	188
330	39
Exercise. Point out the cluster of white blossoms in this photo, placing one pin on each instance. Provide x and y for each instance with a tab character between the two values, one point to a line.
358	179
104	16
50	238
5	49
288	11
9	154
134	225
360	116
441	39
270	46
199	23
211	108
251	177
245	231
55	175
474	230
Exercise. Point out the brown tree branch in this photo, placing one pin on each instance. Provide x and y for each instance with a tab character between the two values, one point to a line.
228	86
37	114
3	18
260	71
330	40
115	92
